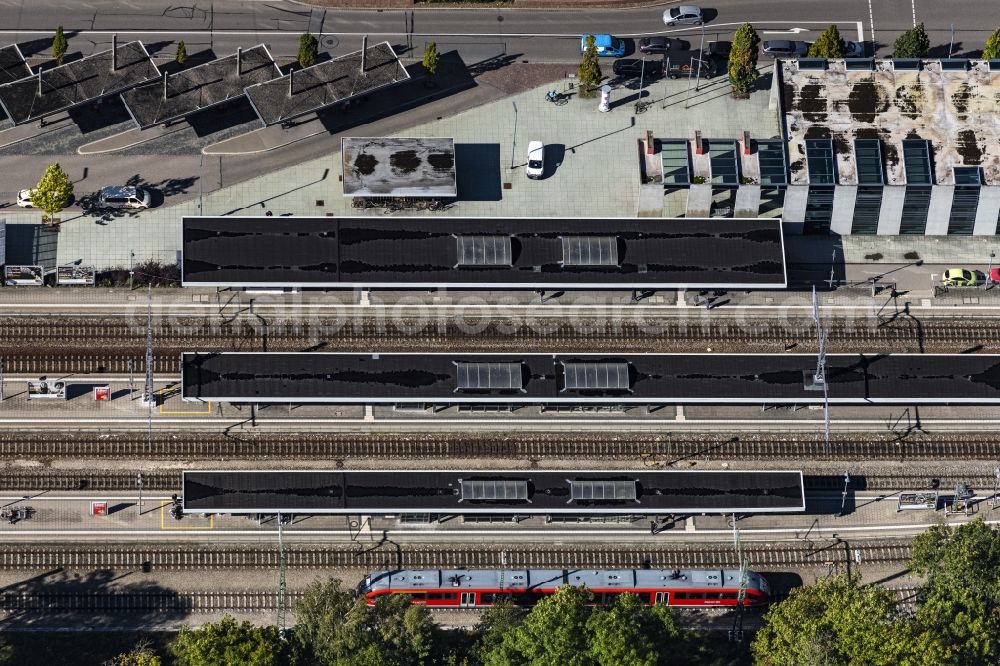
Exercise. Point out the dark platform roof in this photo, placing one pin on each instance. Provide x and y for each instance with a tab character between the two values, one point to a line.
77	82
199	87
398	167
526	492
423	252
432	378
326	83
12	65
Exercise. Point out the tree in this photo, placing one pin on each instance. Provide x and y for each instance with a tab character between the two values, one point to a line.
228	642
431	58
140	655
53	191
835	622
335	627
182	53
554	632
913	43
627	633
498	621
991	50
959	611
308	50
743	72
59	46
828	45
589	75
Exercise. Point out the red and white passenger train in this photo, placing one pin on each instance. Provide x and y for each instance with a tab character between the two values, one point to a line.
470	588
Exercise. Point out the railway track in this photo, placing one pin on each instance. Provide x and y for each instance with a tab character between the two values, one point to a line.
765	557
110	345
157	600
193	602
651	449
105	480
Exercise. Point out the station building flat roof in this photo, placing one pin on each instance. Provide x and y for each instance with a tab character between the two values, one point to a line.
516	253
199	87
398	167
952	108
12	64
546	379
326	83
77	82
446	491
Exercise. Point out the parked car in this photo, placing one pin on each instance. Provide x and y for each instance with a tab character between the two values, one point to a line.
607	46
662	45
962	277
995	275
24	199
683	15
854	49
680	65
536	160
783	48
633	68
720	49
127	196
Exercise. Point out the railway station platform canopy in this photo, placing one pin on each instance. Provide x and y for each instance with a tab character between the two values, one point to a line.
455	492
199	87
596	379
90	78
398	167
324	84
456	252
12	64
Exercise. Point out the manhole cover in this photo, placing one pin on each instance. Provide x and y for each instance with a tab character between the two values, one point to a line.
329	42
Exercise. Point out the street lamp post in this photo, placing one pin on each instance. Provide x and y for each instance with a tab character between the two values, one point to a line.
513	141
131	268
989	271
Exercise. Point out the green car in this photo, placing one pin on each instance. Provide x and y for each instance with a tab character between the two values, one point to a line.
962	277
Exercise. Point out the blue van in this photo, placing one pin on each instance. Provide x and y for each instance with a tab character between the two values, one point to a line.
607	46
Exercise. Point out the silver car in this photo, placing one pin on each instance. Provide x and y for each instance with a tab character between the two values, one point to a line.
683	15
129	197
783	48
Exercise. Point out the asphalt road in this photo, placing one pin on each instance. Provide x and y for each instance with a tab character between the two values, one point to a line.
536	35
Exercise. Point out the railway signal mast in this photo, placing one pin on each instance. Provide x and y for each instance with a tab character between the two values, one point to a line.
736	633
281	580
147	394
820	376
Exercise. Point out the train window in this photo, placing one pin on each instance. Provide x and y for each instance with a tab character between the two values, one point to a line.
441	596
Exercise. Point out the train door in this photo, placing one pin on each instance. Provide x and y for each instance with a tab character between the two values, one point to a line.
661	598
467	599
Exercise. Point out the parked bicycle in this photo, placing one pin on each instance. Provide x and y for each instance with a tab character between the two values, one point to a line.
556	98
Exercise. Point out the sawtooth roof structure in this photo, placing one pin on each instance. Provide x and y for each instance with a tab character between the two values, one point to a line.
326	83
199	87
78	82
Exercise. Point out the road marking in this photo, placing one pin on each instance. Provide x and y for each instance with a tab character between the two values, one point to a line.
292	34
913	5
790	31
861	33
871	22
